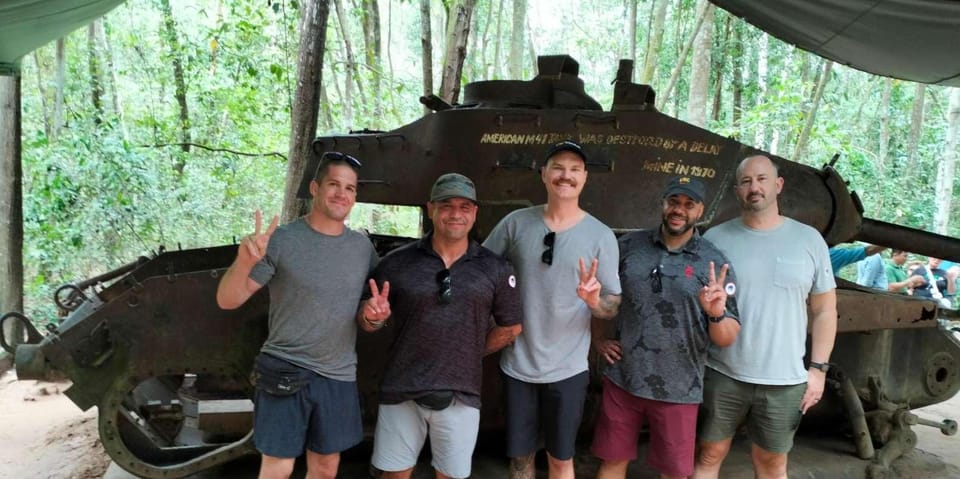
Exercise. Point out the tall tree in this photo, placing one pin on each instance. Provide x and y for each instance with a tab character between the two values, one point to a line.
353	73
700	68
106	50
60	78
681	59
916	126
812	112
632	29
303	121
96	73
45	113
497	36
171	38
426	50
458	30
884	113
370	16
736	62
654	40
948	166
763	49
719	66
11	204
517	39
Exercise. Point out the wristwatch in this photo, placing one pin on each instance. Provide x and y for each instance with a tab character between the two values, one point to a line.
715	319
821	366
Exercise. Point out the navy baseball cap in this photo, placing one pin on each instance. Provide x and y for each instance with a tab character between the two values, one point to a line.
686	185
566	145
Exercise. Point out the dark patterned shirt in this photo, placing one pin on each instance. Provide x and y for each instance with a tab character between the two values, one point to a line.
440	342
663	332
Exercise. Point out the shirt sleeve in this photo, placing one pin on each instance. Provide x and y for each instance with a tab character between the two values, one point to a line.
264	270
507	306
823	279
608	264
498	239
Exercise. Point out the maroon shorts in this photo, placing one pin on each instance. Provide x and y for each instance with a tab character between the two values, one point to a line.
673	429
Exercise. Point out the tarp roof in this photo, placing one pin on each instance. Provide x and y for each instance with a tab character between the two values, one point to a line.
909	39
26	25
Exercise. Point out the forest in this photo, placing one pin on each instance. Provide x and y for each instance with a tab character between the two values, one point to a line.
168	122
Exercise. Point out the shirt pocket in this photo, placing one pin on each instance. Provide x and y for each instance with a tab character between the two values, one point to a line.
791	273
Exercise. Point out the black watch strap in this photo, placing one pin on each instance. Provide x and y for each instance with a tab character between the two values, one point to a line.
715	319
821	366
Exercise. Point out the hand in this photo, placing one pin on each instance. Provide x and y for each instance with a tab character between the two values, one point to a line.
815	382
915	282
589	288
253	247
376	310
713	296
609	350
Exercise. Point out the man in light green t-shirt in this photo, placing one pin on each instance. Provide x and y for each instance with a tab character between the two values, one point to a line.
897	279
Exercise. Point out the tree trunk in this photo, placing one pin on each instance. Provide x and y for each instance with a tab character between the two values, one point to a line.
654	42
371	35
426	50
116	97
173	42
96	81
11	205
497	72
482	44
303	122
632	29
718	67
59	79
948	165
812	113
700	68
458	30
517	40
884	145
42	93
760	135
353	73
681	58
916	127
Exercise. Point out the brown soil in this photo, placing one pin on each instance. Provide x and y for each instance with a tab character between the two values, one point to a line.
44	435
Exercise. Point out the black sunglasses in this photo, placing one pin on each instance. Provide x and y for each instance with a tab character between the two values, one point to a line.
656	281
332	156
443	280
548	240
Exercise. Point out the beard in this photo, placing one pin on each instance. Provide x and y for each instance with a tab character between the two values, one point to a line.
688	224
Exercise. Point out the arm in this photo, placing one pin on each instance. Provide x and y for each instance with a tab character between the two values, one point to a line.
823	332
374	311
952	279
500	336
603	307
607	306
724	333
236	287
873	249
716	303
909	283
608	349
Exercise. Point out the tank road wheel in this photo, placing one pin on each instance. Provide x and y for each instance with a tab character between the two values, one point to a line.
153	429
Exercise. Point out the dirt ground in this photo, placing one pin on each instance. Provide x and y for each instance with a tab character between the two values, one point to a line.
44	435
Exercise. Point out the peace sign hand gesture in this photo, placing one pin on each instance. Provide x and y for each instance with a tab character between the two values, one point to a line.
376	310
253	247
589	288
713	296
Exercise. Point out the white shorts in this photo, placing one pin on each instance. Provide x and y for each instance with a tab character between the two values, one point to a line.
402	429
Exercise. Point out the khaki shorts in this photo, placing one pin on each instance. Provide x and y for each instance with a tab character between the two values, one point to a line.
772	413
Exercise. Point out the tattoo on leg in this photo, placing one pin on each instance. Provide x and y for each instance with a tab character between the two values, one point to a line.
522	467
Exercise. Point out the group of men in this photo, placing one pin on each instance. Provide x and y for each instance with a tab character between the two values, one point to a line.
692	337
932	280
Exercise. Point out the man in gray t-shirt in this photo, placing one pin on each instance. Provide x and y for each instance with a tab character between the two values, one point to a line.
781	264
551	246
306	398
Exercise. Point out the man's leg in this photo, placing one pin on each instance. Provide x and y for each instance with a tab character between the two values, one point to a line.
522	411
710	458
768	465
618	425
612	470
453	437
404	474
401	431
560	415
322	466
275	467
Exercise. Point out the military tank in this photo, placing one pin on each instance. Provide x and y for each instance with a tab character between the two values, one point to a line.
169	371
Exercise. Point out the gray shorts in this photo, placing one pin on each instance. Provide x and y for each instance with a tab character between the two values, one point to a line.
772	413
402	429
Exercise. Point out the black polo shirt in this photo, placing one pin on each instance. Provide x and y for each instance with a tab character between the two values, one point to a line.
662	329
440	345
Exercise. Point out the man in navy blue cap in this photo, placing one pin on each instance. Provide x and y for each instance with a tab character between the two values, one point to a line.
674	306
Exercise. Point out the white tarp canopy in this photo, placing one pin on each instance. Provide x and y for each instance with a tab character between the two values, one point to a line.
26	25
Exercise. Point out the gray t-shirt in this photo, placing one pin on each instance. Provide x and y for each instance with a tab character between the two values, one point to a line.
777	270
315	282
556	323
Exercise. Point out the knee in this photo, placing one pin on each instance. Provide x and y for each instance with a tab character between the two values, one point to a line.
275	468
322	466
712	454
560	466
769	464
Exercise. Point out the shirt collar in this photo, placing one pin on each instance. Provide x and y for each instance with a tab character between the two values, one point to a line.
425	244
691	246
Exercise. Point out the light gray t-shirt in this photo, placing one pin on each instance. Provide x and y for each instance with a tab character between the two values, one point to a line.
556	323
315	282
777	269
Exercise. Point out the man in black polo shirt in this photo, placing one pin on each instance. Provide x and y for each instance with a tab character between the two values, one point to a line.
439	293
674	304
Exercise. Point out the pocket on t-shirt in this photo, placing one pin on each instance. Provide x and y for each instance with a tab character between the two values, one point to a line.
790	273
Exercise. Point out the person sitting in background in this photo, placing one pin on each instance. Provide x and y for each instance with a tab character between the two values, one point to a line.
870	273
898	280
937	283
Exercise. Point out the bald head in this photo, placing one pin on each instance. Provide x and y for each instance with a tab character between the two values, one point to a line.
761	161
758	184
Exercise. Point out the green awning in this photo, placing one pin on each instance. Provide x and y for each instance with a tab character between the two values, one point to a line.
26	25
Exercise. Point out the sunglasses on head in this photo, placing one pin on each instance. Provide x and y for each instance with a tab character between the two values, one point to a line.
445	294
332	156
548	240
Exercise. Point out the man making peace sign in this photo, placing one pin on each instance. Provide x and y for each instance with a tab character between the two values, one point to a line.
306	398
546	370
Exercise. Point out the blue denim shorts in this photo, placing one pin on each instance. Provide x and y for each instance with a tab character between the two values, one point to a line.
323	416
